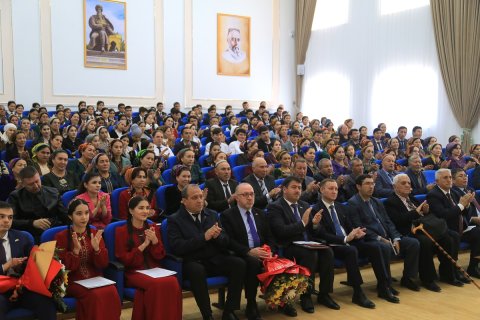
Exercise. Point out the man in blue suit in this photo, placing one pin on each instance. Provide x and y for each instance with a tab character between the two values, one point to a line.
384	181
15	248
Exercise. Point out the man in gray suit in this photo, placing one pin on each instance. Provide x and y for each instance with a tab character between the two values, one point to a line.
309	186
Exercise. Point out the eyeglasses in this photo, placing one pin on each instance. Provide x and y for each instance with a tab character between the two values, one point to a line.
247	194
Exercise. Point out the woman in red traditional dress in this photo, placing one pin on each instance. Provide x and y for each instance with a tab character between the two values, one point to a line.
83	252
138	246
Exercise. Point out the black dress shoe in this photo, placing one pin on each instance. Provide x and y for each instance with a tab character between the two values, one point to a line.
409	284
453	282
327	301
229	315
432	286
394	291
289	310
362	300
388	295
251	312
307	303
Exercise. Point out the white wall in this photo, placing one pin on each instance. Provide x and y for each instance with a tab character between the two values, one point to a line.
71	81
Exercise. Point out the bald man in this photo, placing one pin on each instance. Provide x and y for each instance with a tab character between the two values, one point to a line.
221	188
263	184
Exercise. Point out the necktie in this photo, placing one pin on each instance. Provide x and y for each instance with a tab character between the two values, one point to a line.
227	192
3	254
296	214
263	187
198	223
253	231
420	180
336	222
377	219
410	205
379	146
460	216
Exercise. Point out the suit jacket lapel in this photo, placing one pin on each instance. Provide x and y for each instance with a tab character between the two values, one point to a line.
14	249
239	221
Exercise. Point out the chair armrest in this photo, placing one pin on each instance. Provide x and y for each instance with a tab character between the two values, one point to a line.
118	266
115	272
174	257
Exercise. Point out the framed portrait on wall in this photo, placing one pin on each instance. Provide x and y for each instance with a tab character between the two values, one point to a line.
105	32
233	45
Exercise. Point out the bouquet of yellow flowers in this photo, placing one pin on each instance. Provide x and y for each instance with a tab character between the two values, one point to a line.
283	281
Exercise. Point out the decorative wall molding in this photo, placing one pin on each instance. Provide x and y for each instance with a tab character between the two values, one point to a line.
7	87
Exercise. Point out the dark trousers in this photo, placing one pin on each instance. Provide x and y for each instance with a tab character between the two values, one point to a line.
410	252
379	258
320	261
349	254
43	307
254	266
473	238
198	271
427	270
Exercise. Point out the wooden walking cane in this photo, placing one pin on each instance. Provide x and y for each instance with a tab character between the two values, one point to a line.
420	227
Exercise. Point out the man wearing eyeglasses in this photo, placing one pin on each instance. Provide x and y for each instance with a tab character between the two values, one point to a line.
248	230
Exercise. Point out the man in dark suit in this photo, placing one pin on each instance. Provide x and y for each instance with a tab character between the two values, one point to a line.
335	228
401	137
384	181
289	219
248	230
460	186
186	142
371	214
262	183
309	186
378	143
265	143
221	188
159	113
195	235
245	107
417	178
15	249
403	209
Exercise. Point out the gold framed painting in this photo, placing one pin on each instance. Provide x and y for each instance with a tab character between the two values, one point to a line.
105	34
233	45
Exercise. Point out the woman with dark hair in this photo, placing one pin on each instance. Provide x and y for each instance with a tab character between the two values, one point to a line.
187	158
56	142
90	127
40	155
83	252
98	201
146	159
271	158
58	177
118	161
435	160
363	132
71	142
82	165
138	245
457	159
44	136
55	125
337	154
17	149
475	151
308	153
368	159
182	177
26	127
214	149
285	161
249	148
137	180
110	179
9	179
415	142
394	146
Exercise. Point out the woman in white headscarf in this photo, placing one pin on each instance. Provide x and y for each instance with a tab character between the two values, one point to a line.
6	137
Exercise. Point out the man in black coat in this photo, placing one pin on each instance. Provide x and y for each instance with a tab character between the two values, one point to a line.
194	234
403	209
262	183
186	142
221	188
417	177
336	229
289	220
370	213
248	230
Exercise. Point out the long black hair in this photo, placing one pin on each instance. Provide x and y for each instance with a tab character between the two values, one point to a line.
132	204
72	206
86	178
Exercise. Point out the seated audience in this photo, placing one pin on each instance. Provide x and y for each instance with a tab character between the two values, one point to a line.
435	159
457	159
9	176
262	183
285	161
384	181
17	148
340	167
40	155
221	188
83	253
186	157
110	179
417	177
83	164
146	160
138	245
182	178
97	200
58	177
71	141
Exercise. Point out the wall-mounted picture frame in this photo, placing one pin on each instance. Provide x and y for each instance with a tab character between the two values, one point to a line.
233	45
105	34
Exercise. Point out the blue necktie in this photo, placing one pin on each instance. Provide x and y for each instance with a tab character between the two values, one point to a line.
336	222
253	231
296	214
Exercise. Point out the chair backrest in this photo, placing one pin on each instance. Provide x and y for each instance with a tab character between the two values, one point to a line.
115	201
239	172
206	169
49	234
31	240
68	196
167	176
470	177
109	236
402	162
204	140
202	161
278	182
232	160
429	176
160	196
3	155
421	197
163	231
171	161
202	150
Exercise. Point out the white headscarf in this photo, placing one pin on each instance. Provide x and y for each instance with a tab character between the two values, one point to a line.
5	129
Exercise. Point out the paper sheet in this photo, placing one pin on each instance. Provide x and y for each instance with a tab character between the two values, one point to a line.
95	282
157	272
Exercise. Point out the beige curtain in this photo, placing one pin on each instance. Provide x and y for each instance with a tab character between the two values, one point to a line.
457	33
304	13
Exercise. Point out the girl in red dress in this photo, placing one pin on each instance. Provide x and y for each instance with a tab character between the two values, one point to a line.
84	254
138	246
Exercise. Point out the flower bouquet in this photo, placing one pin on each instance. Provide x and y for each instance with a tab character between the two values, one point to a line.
283	281
44	274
